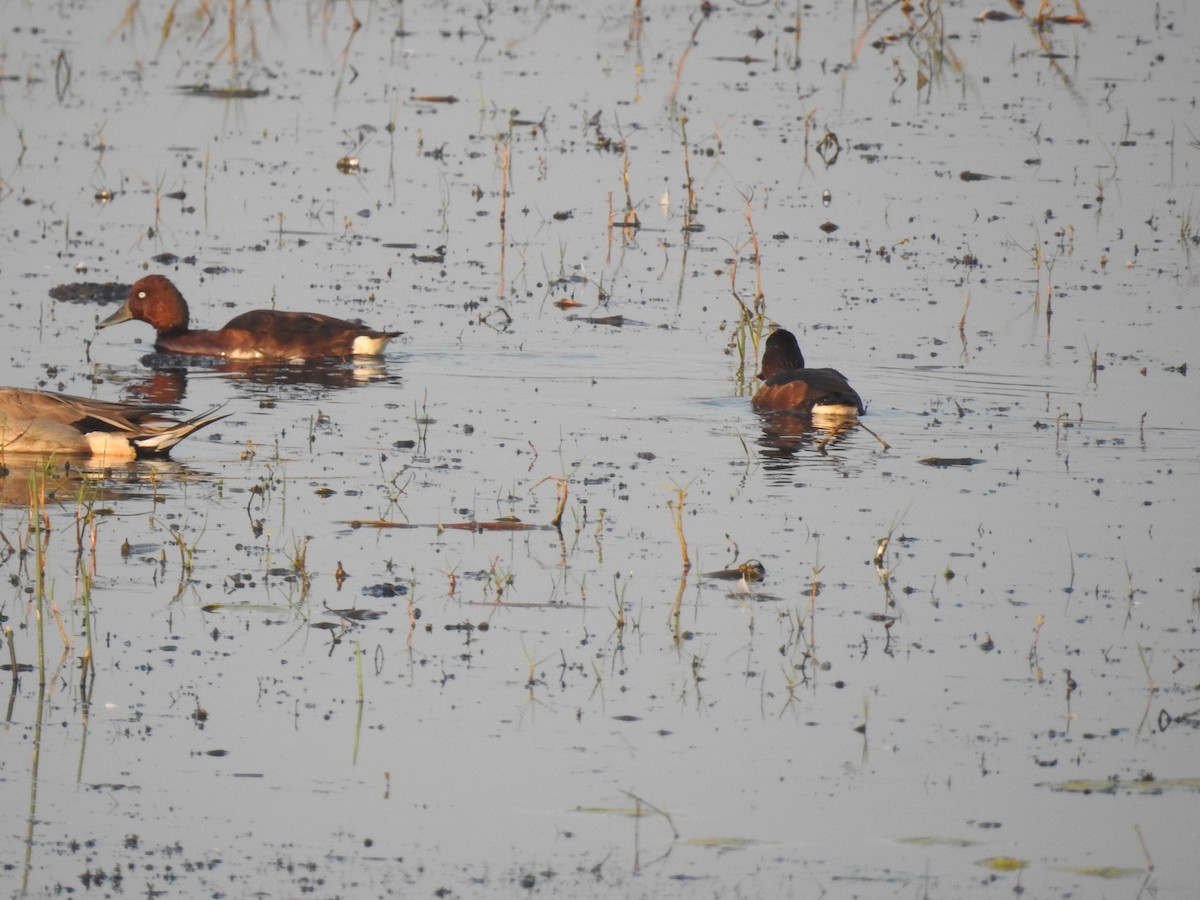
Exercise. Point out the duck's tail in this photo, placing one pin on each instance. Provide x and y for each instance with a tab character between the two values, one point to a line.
158	440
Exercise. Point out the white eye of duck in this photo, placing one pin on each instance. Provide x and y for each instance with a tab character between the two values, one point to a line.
141	295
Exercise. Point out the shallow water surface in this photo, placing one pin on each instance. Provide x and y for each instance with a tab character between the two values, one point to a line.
339	647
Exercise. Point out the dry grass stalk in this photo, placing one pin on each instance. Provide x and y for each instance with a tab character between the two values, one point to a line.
560	485
676	507
671	98
502	146
676	608
690	209
636	23
752	317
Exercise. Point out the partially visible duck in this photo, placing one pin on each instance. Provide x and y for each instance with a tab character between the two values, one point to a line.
261	334
789	387
59	424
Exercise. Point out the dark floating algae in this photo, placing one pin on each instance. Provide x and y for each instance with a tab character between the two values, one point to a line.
354	614
385	590
946	462
232	92
90	292
617	321
750	570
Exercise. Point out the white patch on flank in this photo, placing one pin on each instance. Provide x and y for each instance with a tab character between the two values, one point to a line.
834	412
110	446
365	345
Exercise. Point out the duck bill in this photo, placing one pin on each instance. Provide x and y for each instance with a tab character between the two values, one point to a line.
121	315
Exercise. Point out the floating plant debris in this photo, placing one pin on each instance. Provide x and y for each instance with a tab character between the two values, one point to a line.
636	812
534	636
1002	863
438	256
90	292
734	842
994	15
385	590
232	92
467	626
612	321
1104	871
354	614
933	841
1134	786
499	525
745	60
751	570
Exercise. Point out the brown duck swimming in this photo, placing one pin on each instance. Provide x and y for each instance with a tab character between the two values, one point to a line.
789	387
264	334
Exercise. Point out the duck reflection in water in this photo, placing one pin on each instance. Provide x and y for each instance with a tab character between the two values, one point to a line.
785	435
62	484
167	381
